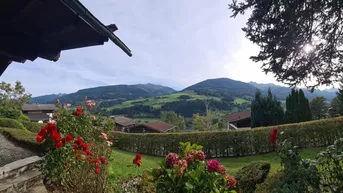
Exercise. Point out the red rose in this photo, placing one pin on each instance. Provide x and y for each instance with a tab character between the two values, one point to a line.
69	138
85	146
43	132
59	144
78	111
56	136
137	160
39	138
96	170
103	160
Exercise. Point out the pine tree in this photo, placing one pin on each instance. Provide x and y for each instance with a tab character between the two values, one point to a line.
297	107
340	99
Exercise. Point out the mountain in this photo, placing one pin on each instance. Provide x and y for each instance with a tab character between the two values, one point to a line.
281	92
226	85
45	98
114	93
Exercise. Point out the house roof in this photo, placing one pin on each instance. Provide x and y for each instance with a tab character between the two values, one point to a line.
38	117
39	107
238	116
123	121
35	28
159	126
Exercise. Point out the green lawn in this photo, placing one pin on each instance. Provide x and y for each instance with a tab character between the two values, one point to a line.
122	167
240	101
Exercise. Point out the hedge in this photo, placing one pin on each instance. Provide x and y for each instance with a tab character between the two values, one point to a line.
233	143
32	126
23	138
11	123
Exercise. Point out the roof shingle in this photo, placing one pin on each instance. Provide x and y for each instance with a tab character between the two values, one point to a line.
238	116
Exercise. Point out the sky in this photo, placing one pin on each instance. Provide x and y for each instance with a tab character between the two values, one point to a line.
174	43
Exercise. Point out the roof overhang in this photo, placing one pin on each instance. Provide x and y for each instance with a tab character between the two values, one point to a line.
35	28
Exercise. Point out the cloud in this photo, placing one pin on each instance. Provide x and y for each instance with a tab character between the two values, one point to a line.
174	43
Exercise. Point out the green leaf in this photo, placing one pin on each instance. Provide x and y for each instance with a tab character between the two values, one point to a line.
189	186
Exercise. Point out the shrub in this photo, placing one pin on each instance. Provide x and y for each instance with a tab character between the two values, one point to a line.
22	137
251	175
331	167
9	113
11	123
234	143
32	126
189	172
23	117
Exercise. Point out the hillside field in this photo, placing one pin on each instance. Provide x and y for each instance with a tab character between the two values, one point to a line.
158	101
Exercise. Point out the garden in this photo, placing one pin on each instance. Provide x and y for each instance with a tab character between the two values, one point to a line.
301	157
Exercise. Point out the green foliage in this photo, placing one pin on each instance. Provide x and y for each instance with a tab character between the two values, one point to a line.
319	108
13	97
22	137
189	174
266	110
11	123
234	143
335	106
32	126
297	107
23	117
289	35
174	119
251	175
11	113
339	102
297	174
331	167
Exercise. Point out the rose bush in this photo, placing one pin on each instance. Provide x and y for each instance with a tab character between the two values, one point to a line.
189	172
77	150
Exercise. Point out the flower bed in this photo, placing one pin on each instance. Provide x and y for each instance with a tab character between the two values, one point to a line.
234	143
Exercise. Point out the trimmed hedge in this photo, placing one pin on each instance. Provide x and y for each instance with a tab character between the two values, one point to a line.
22	137
234	143
11	123
32	126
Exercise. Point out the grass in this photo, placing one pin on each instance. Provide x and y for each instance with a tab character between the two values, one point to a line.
240	101
122	167
159	101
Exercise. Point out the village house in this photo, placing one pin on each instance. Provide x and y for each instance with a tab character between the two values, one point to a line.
39	112
152	127
238	121
123	123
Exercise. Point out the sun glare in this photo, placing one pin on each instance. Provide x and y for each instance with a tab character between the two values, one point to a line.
308	48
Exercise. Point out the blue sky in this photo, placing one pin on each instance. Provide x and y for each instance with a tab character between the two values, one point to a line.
174	43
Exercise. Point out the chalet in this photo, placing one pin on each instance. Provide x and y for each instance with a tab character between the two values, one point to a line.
39	112
123	123
34	29
152	127
239	120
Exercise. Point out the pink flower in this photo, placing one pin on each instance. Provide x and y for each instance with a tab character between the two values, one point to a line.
231	181
212	166
109	143
57	101
182	166
90	103
200	155
172	159
68	105
222	170
103	135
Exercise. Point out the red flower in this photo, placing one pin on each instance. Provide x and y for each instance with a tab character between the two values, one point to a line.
78	111
231	181
59	144
56	136
212	166
57	101
137	160
96	170
85	146
69	138
172	159
103	160
200	155
43	132
272	138
40	138
50	127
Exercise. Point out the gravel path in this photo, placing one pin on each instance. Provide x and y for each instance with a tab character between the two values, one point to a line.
9	152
